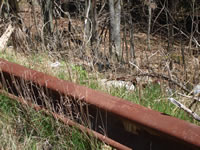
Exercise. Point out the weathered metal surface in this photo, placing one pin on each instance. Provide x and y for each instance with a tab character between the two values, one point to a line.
129	124
69	122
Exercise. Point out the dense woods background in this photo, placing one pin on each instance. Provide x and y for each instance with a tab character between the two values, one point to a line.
118	36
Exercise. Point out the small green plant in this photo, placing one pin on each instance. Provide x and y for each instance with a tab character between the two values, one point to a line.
62	75
93	84
82	74
10	58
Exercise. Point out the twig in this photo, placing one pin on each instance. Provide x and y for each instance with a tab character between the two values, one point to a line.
187	96
193	38
178	104
135	66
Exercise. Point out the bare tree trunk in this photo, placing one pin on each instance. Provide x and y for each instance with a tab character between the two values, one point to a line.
183	59
47	11
93	16
33	14
126	43
192	27
131	32
149	25
171	6
115	22
171	15
87	21
90	31
112	24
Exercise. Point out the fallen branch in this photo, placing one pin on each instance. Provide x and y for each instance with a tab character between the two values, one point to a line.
5	37
191	97
164	77
178	104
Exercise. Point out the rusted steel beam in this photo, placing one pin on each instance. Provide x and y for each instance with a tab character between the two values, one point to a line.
69	122
129	124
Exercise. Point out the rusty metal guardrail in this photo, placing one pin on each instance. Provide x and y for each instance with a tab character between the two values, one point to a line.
129	125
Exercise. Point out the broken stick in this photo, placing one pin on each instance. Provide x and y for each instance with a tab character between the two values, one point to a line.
5	37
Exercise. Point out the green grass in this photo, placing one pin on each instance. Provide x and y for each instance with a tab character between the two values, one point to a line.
23	128
151	96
